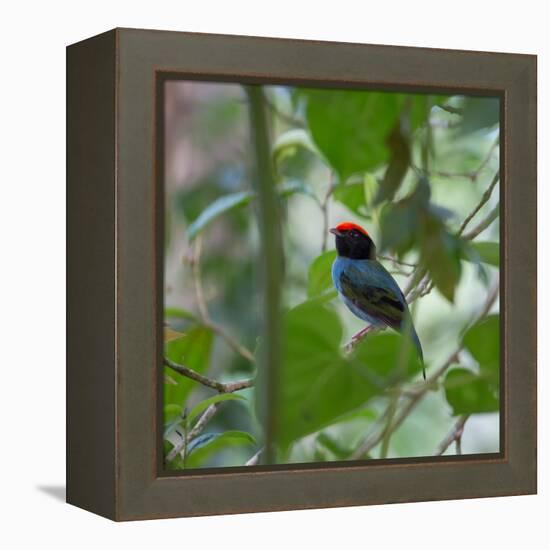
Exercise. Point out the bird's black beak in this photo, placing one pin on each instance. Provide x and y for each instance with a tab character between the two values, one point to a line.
335	231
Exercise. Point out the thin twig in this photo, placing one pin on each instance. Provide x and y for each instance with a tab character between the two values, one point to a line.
374	439
195	266
484	198
221	387
471	175
397	271
454	435
452	110
231	342
488	156
395	260
387	432
203	308
483	224
285	117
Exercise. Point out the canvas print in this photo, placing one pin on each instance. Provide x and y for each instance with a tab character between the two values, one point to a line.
388	204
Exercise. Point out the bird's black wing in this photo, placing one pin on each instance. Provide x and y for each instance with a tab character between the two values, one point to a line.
383	304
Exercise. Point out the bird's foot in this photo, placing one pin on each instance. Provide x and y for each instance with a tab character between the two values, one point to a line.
359	335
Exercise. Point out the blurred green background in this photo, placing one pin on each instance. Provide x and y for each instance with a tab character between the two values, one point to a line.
411	169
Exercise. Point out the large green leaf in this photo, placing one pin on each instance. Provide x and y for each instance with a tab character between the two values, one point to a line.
320	274
350	127
216	209
401	221
469	393
318	384
441	253
192	350
399	162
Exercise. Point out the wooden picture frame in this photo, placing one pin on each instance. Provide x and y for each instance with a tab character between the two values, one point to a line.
114	355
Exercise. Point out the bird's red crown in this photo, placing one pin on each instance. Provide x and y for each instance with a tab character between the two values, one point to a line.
348	226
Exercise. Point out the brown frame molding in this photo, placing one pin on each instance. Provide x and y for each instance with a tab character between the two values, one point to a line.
114	259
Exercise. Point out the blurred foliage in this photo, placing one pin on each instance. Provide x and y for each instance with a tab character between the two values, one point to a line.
411	167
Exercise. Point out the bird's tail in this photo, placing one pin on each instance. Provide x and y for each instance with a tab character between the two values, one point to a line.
410	330
418	346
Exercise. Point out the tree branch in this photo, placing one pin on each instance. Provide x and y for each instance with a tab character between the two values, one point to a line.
197	429
221	387
483	224
271	268
484	198
454	435
452	110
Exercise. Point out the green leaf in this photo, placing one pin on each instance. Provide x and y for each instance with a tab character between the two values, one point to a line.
291	187
193	350
399	226
441	252
204	446
288	142
217	208
401	221
398	166
230	202
334	446
203	405
480	112
469	393
171	421
390	356
483	341
351	195
179	313
488	252
318	385
350	127
171	413
320	274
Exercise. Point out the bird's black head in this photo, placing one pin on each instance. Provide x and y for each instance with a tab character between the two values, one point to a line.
353	242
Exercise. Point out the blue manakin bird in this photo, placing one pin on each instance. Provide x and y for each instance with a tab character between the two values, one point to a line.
366	287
